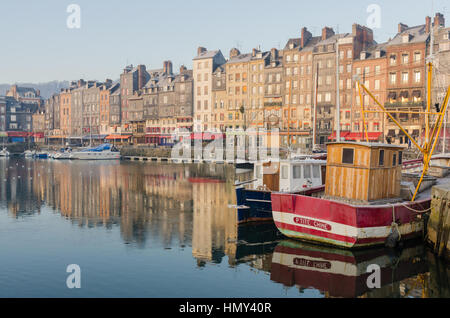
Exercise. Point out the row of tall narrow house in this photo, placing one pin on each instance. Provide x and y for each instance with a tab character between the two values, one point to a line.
16	114
295	89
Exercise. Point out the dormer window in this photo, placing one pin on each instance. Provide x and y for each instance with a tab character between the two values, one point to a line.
291	46
377	54
363	55
406	38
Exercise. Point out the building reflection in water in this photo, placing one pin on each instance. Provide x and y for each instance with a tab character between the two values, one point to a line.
192	205
16	182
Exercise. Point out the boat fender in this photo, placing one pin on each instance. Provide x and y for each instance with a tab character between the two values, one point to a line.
393	239
395	236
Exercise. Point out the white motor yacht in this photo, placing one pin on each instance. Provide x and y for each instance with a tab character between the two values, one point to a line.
102	152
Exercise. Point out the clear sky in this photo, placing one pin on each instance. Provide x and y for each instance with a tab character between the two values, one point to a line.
37	46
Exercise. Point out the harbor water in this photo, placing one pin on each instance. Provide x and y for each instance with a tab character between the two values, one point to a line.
165	230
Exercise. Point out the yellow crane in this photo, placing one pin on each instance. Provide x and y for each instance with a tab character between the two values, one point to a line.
431	136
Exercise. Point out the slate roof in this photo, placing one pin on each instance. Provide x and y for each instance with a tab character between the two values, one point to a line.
417	35
372	49
207	55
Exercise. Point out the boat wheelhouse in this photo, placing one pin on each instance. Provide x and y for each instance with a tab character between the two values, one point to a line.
288	176
361	203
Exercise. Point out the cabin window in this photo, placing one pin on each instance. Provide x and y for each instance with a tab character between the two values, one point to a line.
348	156
307	171
381	160
284	172
297	172
316	172
400	158
394	160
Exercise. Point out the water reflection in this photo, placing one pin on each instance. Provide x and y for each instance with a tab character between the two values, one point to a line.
179	206
341	273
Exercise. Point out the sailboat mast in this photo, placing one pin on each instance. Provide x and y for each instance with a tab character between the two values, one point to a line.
315	105
289	115
338	98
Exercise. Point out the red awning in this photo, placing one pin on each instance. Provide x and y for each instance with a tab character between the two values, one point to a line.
38	135
116	137
348	136
344	134
373	136
19	134
207	136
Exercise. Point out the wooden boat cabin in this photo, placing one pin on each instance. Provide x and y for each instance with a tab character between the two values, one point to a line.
364	172
290	175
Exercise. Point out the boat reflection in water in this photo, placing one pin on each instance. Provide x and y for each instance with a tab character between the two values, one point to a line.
342	273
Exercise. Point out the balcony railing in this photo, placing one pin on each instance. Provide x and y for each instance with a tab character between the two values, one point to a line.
273	104
407	104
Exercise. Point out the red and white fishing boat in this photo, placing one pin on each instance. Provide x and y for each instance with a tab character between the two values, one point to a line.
361	203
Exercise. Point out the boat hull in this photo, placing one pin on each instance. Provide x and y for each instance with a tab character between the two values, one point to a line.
343	225
62	156
41	156
96	155
253	206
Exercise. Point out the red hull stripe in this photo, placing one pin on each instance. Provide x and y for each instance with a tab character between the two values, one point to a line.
339	212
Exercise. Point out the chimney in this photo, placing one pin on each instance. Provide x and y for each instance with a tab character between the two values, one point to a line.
234	52
306	36
327	33
183	69
402	27
254	52
427	24
274	54
38	92
201	50
169	67
439	20
165	67
141	76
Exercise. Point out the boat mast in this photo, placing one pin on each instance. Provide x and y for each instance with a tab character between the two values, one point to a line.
289	117
90	128
430	74
315	105
338	100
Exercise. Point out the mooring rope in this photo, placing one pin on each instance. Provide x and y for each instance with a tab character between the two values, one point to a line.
395	225
416	211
